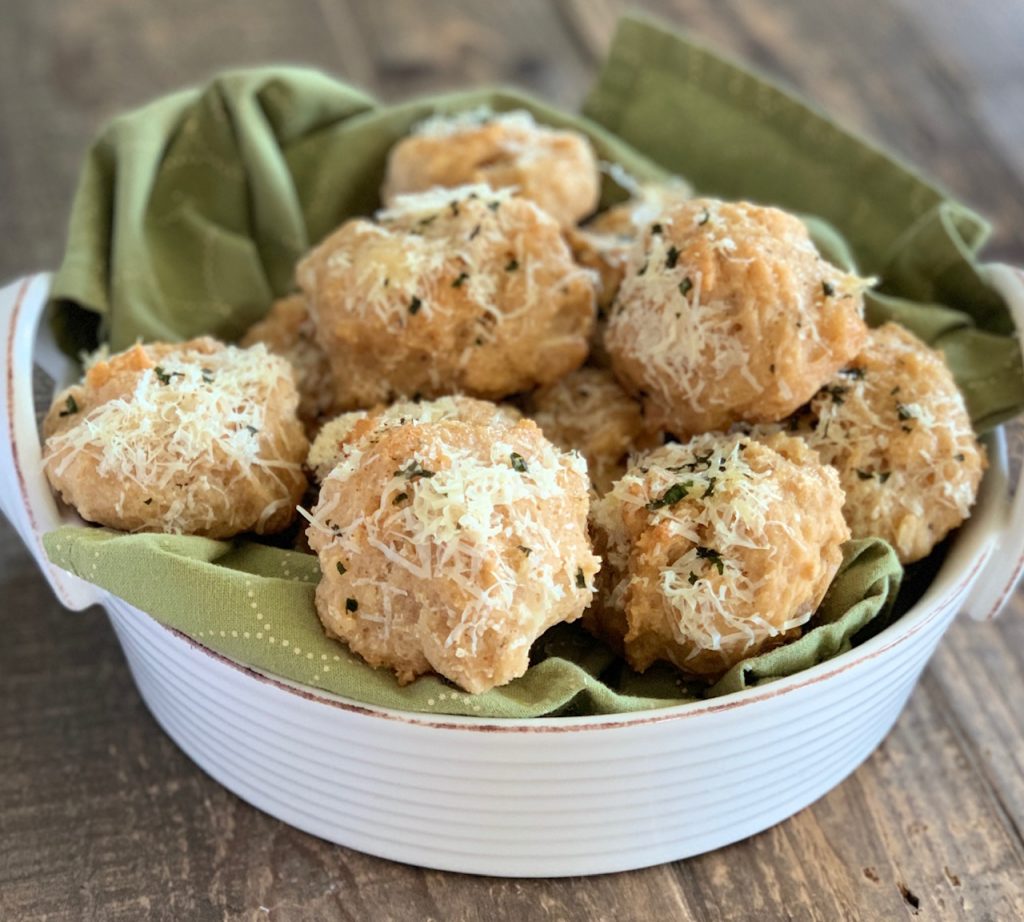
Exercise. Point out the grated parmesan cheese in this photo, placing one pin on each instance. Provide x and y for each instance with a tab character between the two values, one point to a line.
709	553
482	529
191	429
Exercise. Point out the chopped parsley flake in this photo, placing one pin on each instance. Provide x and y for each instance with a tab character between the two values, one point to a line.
828	289
527	551
959	456
684	286
656	228
699	462
710	491
837	392
207	375
856	373
351	605
399	498
454	206
512	265
709	553
459	279
704	218
148	502
671	496
672	257
165	376
253	430
413	470
518	462
494	206
643	269
414	305
581	580
904	412
864	475
70	407
342	570
692	578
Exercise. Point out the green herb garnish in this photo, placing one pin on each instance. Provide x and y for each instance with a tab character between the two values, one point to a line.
413	470
164	376
692	578
518	462
696	464
828	289
70	407
704	218
710	491
512	265
253	430
904	412
685	286
708	553
342	570
399	498
671	496
351	605
672	257
837	392
526	550
414	305
581	580
864	475
656	228
207	375
459	279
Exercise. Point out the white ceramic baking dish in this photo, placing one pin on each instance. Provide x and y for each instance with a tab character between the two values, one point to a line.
549	797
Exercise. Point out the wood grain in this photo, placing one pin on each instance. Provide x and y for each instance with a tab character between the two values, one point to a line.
101	817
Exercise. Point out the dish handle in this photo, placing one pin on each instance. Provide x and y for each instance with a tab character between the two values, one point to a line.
29	358
1003	569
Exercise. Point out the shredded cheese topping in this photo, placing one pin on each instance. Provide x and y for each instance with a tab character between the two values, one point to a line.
334	443
697	332
484	523
196	418
706	494
446	125
900	438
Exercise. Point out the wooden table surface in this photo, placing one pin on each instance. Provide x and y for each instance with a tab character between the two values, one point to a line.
101	817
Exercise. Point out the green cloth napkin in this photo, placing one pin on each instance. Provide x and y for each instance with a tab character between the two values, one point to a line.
189	217
186	219
254	604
